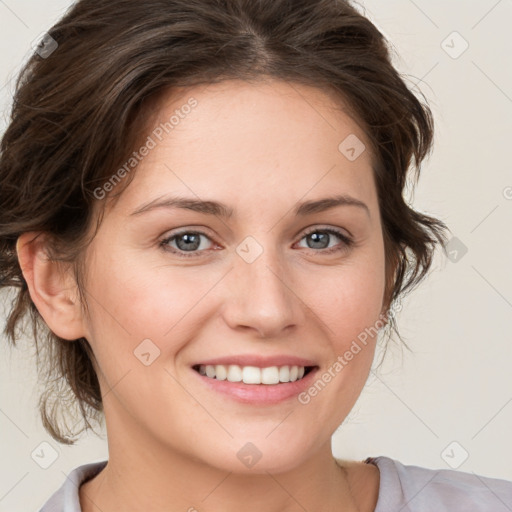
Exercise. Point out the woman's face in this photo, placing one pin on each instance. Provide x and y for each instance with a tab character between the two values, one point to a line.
269	285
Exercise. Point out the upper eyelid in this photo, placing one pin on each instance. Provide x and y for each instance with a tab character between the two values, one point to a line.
319	227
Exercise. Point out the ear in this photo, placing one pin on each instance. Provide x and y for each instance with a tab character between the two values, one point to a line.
51	285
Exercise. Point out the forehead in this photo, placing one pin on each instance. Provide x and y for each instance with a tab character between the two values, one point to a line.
265	107
237	139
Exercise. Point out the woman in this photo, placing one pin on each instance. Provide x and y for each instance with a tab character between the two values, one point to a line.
201	207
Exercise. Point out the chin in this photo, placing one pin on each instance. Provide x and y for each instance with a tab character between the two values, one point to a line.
259	455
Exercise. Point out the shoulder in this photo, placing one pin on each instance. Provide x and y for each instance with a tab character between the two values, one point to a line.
66	498
416	489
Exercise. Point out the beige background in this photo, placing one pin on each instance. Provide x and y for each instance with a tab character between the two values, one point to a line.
457	385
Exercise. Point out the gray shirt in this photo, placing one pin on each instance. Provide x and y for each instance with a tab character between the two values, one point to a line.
402	488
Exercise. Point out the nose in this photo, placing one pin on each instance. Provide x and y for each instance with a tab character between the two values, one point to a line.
263	297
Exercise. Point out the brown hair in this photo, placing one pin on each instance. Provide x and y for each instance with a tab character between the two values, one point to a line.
76	117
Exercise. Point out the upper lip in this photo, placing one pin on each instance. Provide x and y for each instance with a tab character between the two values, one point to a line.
258	361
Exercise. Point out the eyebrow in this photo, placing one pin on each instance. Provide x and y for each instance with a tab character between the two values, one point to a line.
221	210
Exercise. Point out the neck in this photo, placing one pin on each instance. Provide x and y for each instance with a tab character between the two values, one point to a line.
156	478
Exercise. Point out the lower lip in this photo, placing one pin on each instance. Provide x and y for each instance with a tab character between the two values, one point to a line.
263	394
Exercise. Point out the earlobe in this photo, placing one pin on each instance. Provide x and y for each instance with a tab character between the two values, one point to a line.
51	285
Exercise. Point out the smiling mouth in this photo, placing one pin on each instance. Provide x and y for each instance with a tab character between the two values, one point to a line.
270	375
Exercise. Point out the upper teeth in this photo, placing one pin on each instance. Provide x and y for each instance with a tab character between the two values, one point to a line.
253	374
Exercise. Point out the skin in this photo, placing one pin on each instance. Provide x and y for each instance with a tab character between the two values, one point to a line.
173	443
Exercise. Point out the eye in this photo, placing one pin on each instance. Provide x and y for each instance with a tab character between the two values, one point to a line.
185	242
321	238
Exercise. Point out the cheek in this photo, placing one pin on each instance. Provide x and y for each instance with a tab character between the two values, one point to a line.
348	307
135	300
347	300
137	310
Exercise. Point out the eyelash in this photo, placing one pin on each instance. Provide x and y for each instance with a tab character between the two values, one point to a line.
347	241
